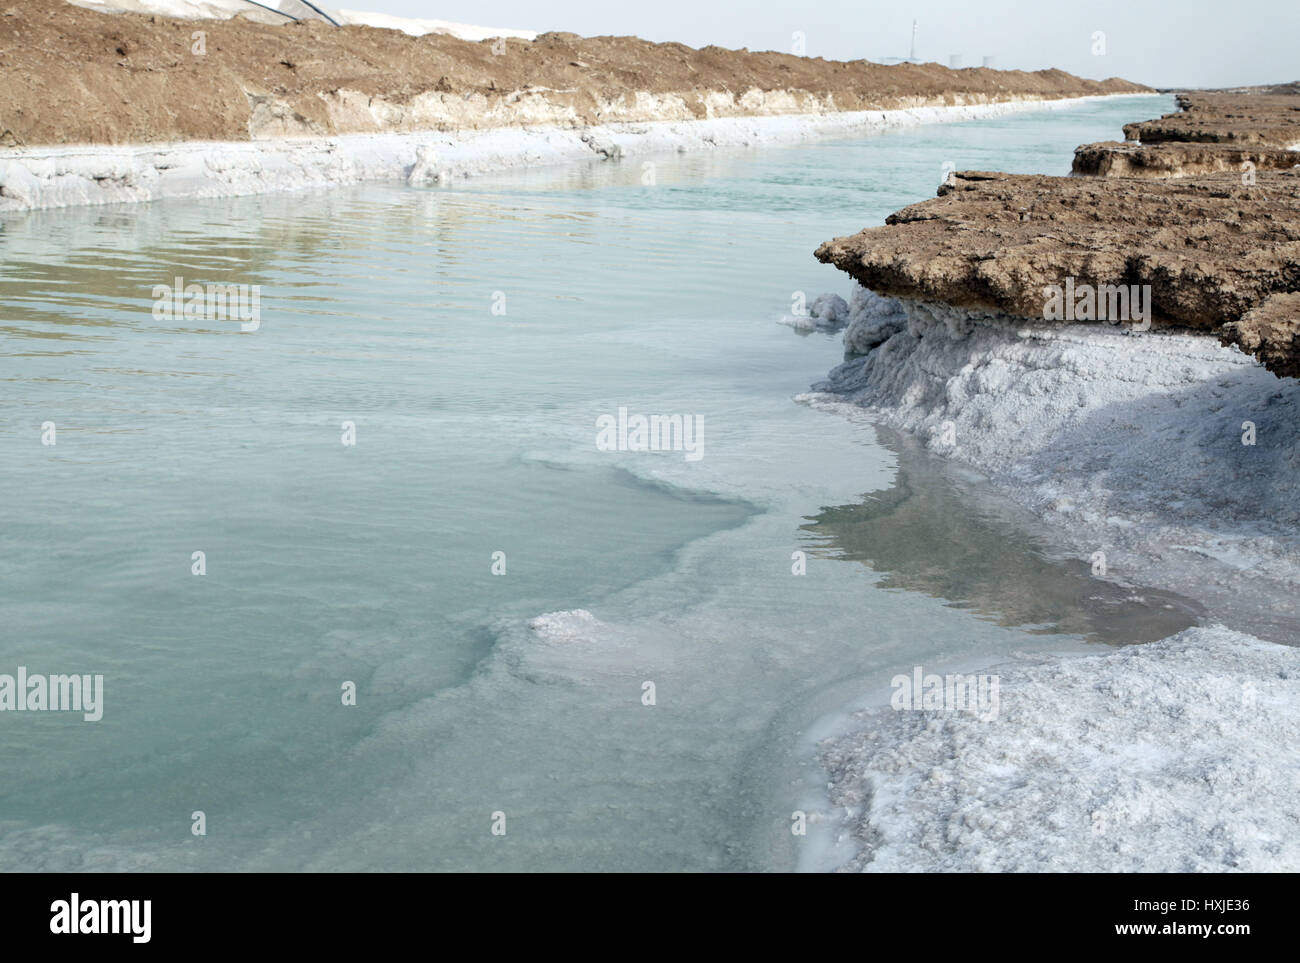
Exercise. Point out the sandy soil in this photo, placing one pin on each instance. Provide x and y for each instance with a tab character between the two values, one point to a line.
71	75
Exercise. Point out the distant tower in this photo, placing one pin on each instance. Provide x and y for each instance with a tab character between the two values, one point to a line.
911	57
988	61
954	61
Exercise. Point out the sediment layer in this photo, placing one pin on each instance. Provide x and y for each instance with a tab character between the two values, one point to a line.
70	75
1117	441
1213	132
1220	252
1266	120
1127	159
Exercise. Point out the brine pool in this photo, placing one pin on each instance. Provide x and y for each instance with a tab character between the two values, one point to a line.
563	657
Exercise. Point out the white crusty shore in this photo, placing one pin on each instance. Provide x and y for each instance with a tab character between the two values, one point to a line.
1177	755
1122	442
64	176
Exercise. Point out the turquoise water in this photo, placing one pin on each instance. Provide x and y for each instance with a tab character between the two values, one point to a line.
472	335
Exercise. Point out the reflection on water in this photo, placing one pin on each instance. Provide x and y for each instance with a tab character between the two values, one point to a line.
475	434
927	534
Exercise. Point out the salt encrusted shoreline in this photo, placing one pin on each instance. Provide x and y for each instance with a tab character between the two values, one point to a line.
1176	756
1173	456
1168	456
48	177
1121	442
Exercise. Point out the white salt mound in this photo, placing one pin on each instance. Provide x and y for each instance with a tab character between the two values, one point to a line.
1178	756
865	314
1177	461
872	320
1174	456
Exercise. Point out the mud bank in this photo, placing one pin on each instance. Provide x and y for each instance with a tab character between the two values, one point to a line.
1210	134
32	178
1217	253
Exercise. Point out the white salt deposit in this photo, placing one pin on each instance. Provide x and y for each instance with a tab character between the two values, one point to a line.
41	177
1176	458
1176	462
1177	756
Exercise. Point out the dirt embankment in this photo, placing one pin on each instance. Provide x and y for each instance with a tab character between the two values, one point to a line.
70	75
1220	256
1269	120
1221	252
1212	132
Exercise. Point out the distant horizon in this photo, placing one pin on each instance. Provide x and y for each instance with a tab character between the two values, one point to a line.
1141	41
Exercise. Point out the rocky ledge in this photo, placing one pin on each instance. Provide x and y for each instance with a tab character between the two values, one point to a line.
1217	254
1128	159
1212	132
1268	120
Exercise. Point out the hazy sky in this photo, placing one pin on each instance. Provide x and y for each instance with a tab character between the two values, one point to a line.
1171	43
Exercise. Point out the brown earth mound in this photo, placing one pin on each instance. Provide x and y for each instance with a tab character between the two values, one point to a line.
1220	256
1265	120
1220	250
1116	159
71	75
1214	132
